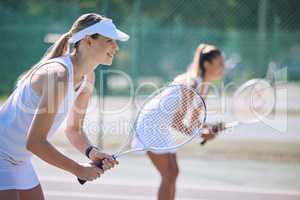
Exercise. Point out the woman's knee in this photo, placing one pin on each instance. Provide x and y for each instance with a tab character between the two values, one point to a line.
167	166
170	176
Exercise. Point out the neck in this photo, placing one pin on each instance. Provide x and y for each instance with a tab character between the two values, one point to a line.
81	66
207	78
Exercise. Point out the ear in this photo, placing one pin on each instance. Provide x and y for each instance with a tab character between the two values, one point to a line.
206	64
88	40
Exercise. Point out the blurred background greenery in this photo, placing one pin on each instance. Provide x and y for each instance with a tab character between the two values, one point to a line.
164	34
256	36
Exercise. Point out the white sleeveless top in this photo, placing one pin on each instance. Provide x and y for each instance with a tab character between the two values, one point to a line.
17	113
198	81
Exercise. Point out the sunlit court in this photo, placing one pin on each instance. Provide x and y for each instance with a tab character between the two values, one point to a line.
150	100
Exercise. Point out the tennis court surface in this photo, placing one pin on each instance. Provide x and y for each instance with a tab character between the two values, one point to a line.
210	179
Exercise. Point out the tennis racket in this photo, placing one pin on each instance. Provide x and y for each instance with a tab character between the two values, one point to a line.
252	102
167	120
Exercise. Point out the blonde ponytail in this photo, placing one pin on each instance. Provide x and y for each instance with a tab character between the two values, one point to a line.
195	69
59	48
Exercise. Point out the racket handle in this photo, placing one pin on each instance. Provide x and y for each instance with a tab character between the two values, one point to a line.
81	181
203	142
98	163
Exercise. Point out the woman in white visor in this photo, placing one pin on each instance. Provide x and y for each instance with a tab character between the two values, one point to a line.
58	87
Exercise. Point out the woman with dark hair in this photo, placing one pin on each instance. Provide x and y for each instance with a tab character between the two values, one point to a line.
207	66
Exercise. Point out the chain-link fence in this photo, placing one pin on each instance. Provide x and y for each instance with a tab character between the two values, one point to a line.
164	35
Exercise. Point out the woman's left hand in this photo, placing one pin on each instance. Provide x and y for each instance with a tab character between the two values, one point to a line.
107	160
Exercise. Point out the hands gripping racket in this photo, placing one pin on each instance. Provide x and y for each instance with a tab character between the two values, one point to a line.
252	102
170	118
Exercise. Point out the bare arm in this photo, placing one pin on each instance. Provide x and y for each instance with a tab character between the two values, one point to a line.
53	92
178	118
74	129
187	99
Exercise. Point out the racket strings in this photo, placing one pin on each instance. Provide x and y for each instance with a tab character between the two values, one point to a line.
170	118
253	102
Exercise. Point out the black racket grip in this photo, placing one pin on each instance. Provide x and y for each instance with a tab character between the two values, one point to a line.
203	142
99	163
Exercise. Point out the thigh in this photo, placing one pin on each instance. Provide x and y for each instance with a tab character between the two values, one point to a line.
9	194
164	163
35	193
173	162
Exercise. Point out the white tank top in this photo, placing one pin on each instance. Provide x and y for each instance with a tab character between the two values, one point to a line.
195	85
17	113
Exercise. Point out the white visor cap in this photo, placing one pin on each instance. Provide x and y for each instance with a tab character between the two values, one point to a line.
105	28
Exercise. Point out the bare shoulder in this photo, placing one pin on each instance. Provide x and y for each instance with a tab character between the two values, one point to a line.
181	78
186	79
49	75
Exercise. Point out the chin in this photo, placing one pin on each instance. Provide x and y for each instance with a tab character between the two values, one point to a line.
108	62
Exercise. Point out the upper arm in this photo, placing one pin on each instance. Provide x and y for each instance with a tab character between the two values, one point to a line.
54	84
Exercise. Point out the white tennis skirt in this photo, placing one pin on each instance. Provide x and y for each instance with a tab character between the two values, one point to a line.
21	176
149	140
150	136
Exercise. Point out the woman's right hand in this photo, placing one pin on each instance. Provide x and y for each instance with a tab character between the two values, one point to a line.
208	133
211	131
88	172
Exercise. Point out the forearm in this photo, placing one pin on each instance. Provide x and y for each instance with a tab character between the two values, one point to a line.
50	154
78	139
74	130
179	125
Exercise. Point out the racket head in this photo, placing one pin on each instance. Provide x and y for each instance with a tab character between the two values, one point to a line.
171	117
253	101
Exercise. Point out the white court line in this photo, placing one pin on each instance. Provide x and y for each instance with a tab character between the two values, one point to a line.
106	196
185	187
